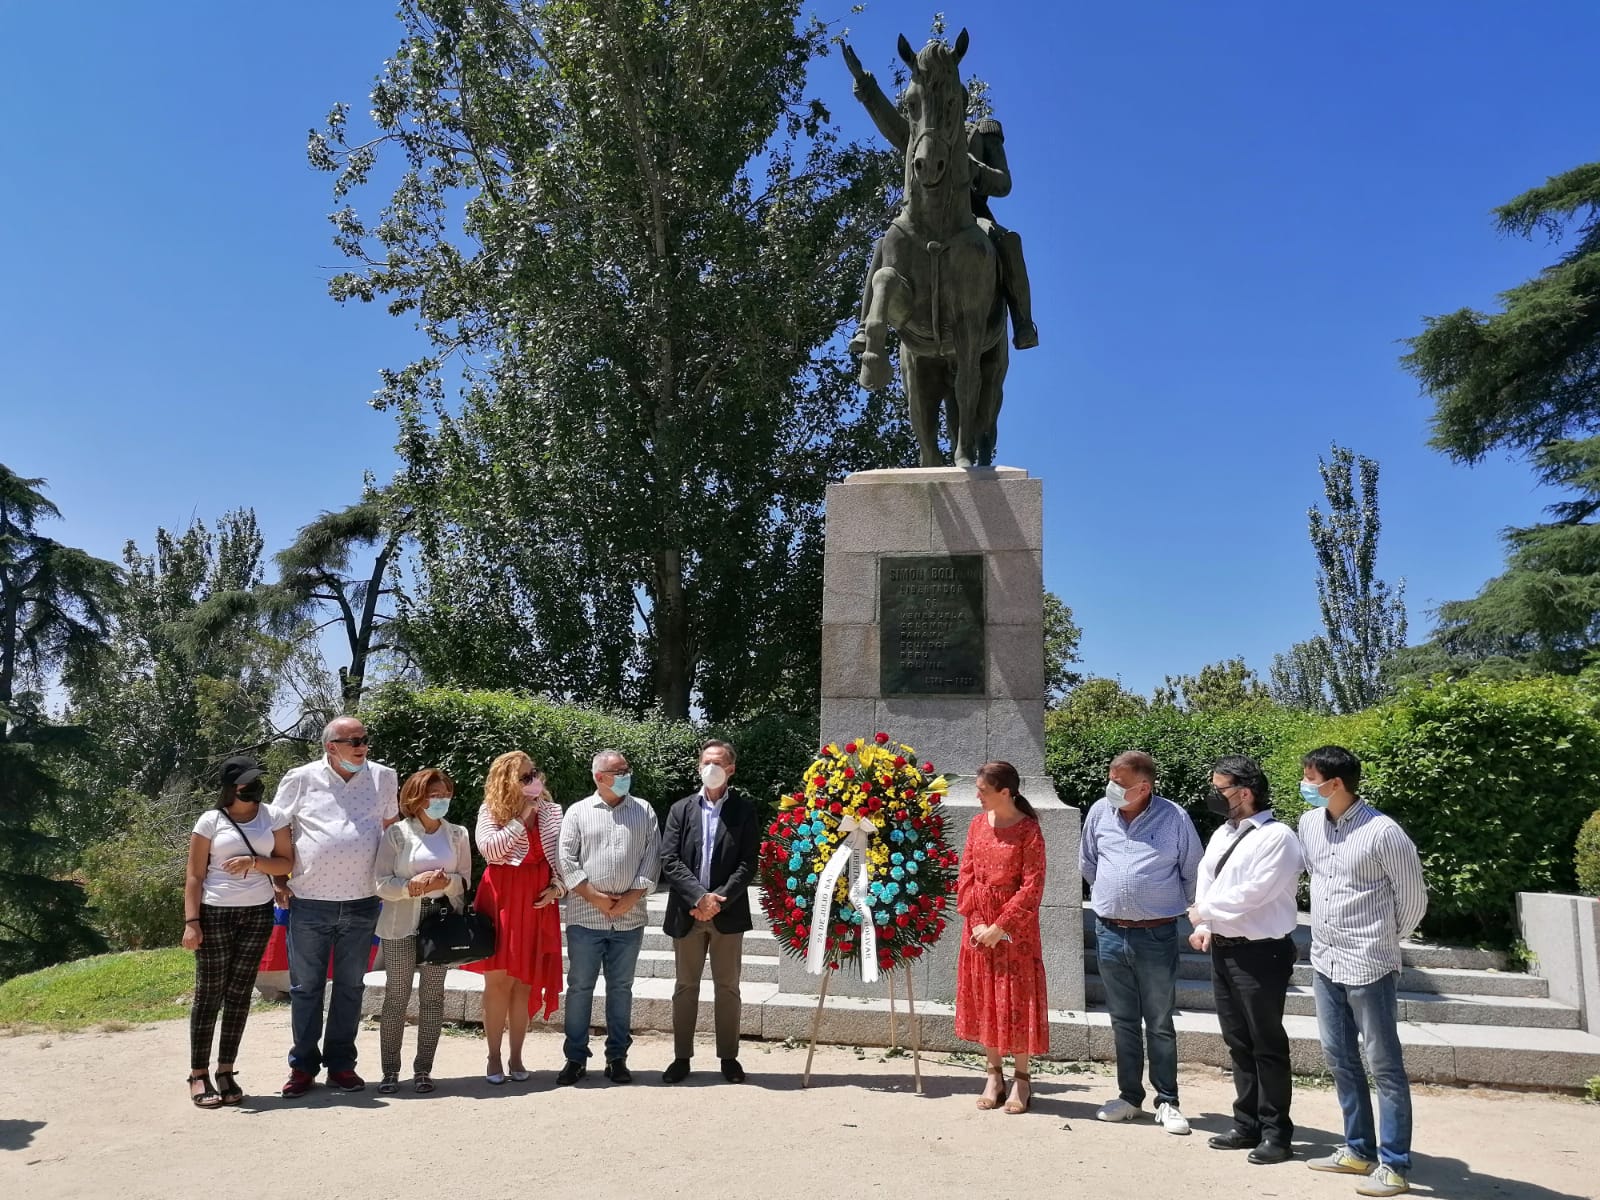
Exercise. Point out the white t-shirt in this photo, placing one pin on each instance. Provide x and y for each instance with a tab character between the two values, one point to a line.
336	824
434	852
221	890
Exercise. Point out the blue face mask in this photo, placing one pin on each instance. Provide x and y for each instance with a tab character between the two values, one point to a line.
620	784
351	767
1310	794
440	808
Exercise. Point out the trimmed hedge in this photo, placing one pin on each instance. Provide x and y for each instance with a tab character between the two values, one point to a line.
1587	859
463	732
1491	779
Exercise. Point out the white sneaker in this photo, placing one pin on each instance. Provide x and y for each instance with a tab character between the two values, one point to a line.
1170	1119
1117	1110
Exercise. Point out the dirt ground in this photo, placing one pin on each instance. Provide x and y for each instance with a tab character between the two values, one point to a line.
107	1114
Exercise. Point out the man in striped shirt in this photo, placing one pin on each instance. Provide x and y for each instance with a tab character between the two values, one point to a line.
1367	896
610	858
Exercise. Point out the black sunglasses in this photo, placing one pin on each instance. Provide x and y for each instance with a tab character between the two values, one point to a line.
360	741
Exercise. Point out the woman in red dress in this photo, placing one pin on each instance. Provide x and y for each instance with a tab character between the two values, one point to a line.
519	829
1000	992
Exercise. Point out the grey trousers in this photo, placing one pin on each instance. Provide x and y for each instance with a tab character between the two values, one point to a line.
399	961
727	955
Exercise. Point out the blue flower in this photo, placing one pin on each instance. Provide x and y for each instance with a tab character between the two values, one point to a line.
804	846
920	855
811	879
801	901
897	835
794	863
911	835
897	858
792	883
892	890
898	873
846	913
911	888
912	866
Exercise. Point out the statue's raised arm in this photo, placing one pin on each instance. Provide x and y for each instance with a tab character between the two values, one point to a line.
894	127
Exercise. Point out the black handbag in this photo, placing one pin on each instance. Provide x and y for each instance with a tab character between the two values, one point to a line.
447	938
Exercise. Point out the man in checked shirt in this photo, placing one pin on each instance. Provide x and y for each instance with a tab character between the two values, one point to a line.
1367	896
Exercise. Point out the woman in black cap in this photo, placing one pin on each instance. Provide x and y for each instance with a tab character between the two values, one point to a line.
227	912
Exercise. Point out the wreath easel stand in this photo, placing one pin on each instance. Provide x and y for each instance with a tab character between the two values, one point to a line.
913	1023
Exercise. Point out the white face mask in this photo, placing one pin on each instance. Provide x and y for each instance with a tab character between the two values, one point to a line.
1116	795
713	775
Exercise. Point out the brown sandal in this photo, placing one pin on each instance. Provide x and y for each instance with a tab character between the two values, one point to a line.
984	1102
1013	1106
228	1087
207	1097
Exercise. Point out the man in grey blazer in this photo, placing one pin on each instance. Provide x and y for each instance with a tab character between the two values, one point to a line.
708	858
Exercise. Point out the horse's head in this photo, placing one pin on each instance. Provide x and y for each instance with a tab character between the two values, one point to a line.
936	107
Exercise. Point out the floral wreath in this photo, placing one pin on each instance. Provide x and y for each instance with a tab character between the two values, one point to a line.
871	822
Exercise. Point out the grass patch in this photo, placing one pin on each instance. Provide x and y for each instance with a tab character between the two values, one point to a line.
114	990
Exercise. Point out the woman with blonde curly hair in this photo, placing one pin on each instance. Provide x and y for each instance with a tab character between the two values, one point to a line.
519	830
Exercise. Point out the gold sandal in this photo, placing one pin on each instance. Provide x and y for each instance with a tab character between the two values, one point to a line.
1014	1107
984	1102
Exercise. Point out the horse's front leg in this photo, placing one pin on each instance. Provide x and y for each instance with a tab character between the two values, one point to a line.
964	435
890	303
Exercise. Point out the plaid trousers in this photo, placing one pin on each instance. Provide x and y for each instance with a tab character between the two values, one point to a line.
399	962
225	963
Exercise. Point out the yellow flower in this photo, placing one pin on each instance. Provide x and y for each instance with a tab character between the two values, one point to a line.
940	784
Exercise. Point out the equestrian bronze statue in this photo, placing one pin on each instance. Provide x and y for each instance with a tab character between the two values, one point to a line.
945	274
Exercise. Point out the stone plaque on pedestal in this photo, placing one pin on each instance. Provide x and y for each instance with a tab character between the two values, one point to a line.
933	632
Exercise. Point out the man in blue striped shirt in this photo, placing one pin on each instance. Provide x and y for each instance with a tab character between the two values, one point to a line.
1139	854
1367	896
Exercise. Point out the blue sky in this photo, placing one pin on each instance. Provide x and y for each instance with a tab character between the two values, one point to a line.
1233	212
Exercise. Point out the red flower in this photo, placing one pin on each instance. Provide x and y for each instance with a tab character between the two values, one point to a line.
910	793
833	966
803	931
874	802
850	748
927	768
938	901
820	781
849	772
899	760
799	797
836	808
902	920
881	738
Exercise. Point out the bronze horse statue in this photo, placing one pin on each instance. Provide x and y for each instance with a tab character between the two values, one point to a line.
936	276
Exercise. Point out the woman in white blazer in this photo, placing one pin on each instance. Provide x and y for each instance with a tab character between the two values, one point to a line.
420	855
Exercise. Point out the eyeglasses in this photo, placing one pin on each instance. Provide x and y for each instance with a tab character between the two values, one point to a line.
358	741
528	776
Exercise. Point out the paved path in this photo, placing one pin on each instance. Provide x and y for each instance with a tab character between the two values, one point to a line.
106	1114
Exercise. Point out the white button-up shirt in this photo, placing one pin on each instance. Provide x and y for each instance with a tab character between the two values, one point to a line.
1254	895
710	818
336	825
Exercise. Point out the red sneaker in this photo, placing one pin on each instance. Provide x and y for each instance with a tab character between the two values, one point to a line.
298	1084
346	1081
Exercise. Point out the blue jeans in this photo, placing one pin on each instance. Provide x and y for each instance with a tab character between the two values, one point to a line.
590	951
1370	1011
316	930
1139	968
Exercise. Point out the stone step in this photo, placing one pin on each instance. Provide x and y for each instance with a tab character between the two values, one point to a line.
1413	953
1435	1052
1435	980
1534	1012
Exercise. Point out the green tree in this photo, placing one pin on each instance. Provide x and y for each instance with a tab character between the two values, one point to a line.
1526	380
1095	701
1061	637
178	687
634	239
319	571
53	602
1217	687
1363	617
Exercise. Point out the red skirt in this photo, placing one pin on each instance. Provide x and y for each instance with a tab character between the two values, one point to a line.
527	940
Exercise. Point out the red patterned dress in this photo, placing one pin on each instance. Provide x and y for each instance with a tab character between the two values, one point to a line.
1001	1000
527	939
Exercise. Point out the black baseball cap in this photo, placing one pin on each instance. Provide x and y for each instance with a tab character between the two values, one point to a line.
240	770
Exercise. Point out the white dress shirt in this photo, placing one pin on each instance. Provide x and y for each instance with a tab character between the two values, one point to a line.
1254	896
336	824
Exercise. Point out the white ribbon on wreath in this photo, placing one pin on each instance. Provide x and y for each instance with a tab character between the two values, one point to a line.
857	833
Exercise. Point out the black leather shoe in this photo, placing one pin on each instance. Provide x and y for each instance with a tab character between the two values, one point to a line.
677	1071
1233	1140
571	1073
732	1071
617	1071
1270	1152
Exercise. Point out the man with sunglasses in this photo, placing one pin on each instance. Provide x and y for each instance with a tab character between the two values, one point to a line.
337	808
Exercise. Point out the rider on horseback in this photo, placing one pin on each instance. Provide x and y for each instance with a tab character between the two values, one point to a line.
991	177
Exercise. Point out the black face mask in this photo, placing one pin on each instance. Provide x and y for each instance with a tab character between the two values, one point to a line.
1218	803
251	794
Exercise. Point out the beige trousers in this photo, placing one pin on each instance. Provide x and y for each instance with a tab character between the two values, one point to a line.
727	955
